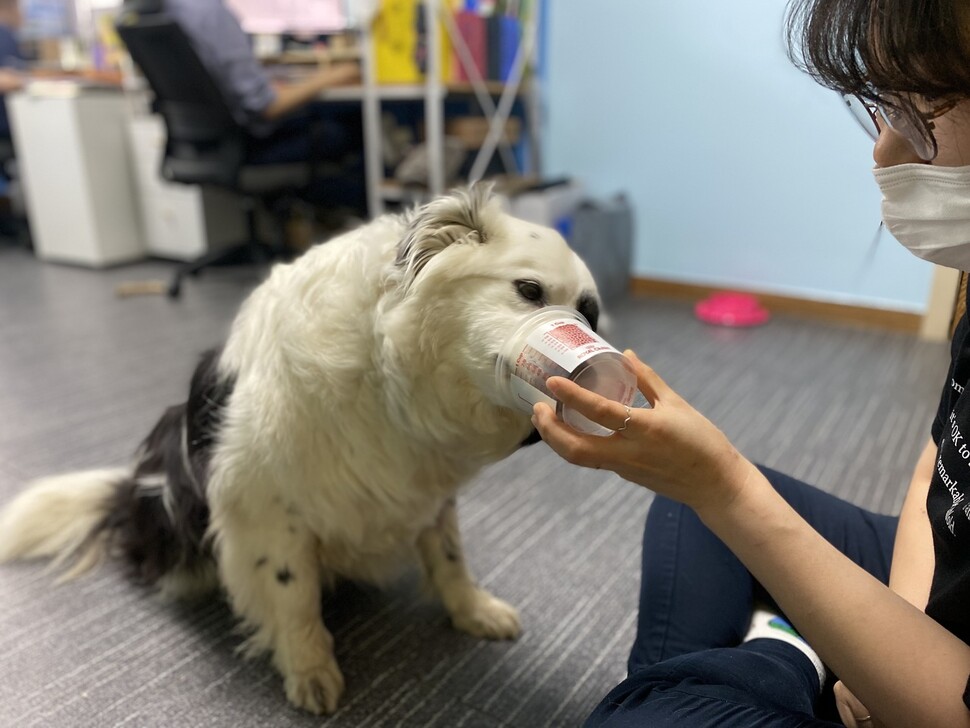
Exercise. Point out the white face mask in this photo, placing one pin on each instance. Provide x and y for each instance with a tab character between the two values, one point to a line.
927	209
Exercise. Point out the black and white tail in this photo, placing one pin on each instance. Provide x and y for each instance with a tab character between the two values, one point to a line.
60	518
155	517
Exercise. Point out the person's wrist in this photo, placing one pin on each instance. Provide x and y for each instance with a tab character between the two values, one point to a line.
324	79
738	474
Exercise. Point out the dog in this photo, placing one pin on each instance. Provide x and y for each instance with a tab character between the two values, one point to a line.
328	437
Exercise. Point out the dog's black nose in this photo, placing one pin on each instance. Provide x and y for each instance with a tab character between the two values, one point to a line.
532	439
590	308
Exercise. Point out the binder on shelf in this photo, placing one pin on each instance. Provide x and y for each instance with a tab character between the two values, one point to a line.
471	27
400	43
510	35
493	54
502	30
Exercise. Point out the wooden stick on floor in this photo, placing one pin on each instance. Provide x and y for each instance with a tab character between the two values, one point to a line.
141	288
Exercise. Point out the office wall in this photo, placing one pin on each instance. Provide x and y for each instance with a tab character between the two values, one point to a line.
743	172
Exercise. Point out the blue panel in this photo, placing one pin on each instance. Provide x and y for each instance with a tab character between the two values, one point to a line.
742	171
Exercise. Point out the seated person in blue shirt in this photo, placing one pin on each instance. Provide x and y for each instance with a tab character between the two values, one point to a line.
286	124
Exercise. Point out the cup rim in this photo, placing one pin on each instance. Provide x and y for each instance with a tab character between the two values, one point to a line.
503	358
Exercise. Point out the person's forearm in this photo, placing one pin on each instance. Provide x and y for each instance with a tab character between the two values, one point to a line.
292	96
913	558
900	663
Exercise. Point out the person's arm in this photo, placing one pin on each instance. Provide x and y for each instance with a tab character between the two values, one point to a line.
912	567
913	558
900	663
224	49
292	96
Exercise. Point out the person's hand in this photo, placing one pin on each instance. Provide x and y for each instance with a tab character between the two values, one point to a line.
11	80
341	74
671	449
853	713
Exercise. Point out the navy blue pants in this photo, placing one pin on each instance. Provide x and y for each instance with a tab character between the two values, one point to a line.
317	132
687	666
329	136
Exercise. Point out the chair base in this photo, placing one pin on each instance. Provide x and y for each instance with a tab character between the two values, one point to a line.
252	252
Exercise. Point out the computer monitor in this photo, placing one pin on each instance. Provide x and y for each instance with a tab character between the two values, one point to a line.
290	16
47	19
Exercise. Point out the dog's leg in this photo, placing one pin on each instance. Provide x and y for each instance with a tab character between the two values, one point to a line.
270	567
472	609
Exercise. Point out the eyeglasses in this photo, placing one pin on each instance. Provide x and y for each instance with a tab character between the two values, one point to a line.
917	131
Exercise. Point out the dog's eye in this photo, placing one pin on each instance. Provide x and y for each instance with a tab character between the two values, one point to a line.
530	290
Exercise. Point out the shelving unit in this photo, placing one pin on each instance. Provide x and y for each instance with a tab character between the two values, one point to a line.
495	98
433	93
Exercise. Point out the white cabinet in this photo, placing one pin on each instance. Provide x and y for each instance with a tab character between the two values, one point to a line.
80	199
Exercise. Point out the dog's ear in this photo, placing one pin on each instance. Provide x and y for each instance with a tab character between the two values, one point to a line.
459	217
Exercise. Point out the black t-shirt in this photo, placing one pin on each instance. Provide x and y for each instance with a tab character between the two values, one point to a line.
948	501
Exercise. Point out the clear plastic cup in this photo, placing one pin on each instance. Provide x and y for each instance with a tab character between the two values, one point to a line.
556	341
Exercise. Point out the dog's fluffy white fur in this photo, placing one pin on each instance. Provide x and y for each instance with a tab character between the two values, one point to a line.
327	439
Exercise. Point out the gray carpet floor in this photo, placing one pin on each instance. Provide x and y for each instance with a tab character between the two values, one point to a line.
83	375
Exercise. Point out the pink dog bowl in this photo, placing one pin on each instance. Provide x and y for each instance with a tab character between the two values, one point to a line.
731	309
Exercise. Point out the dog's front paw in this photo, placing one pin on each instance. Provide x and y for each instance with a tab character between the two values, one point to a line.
317	689
489	617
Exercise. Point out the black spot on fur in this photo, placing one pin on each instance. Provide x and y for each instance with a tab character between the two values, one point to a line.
159	517
284	576
588	306
261	561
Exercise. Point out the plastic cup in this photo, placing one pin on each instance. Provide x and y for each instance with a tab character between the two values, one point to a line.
556	341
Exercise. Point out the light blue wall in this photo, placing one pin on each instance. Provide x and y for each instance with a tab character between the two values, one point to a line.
742	171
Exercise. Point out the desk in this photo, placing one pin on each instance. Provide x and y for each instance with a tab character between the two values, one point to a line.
80	196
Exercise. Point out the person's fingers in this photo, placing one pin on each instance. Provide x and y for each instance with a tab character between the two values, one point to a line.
592	406
570	445
649	382
852	712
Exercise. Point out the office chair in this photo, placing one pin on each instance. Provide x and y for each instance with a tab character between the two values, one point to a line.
14	227
205	145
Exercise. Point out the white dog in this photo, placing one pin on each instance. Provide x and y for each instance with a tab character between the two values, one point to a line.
327	439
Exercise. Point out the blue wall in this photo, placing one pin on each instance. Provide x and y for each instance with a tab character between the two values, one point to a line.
742	171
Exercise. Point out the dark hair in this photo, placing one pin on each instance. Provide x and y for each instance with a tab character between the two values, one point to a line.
884	50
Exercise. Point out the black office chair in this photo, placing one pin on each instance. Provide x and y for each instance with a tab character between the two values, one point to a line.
205	144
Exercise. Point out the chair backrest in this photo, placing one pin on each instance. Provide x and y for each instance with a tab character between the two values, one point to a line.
205	144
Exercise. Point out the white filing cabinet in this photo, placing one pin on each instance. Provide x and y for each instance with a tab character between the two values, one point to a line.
180	222
80	199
